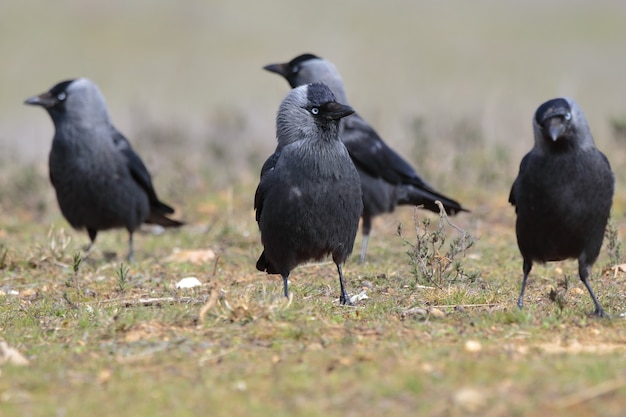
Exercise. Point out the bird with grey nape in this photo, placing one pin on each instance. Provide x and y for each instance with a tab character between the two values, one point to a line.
387	179
100	182
563	193
308	201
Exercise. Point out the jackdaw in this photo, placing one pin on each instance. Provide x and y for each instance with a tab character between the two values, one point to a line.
100	182
308	201
387	179
563	193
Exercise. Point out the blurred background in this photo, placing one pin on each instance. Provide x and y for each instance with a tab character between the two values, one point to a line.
451	85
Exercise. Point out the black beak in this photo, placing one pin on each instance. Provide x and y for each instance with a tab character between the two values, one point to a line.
335	111
555	128
280	69
44	100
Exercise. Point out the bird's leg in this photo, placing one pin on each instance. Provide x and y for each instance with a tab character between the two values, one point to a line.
286	284
528	264
344	298
92	238
364	248
131	252
367	226
583	271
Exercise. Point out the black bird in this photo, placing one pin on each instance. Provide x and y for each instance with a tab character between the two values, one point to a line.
308	201
100	182
563	193
387	179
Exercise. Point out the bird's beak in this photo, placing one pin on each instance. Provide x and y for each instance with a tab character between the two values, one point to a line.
555	128
45	100
335	111
280	69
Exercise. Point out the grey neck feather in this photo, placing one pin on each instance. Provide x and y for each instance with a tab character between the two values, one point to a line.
294	123
320	70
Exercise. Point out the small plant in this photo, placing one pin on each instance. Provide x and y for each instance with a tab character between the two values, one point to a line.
76	261
74	280
58	241
614	245
433	260
122	277
4	251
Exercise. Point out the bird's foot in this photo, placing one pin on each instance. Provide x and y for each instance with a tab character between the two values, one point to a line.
600	313
344	299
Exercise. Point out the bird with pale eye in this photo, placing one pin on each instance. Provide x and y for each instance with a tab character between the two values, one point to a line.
100	182
387	180
562	194
308	201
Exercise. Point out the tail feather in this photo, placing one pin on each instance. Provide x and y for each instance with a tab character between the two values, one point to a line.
162	220
411	195
160	207
263	265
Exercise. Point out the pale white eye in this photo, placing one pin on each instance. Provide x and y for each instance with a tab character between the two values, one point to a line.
568	116
315	110
61	96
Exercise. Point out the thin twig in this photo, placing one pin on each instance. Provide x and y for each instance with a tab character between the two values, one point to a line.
147	302
202	361
590	393
69	302
209	304
465	305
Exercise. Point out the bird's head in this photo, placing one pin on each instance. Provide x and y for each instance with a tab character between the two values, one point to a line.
78	98
307	112
307	69
560	123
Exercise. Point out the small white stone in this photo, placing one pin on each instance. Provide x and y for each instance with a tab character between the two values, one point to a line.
473	346
358	297
189	282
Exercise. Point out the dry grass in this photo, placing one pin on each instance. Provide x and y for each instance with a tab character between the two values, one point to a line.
452	85
235	346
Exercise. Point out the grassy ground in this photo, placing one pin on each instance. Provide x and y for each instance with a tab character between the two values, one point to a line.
452	85
235	346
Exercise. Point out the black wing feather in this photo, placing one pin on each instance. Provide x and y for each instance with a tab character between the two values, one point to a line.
139	172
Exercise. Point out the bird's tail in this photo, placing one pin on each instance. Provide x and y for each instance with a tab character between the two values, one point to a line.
158	215
160	207
411	195
162	220
263	265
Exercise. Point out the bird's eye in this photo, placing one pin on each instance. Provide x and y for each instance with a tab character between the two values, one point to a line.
568	116
61	96
295	69
315	110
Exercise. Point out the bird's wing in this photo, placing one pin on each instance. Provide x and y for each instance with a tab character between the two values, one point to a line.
522	170
370	153
264	184
138	171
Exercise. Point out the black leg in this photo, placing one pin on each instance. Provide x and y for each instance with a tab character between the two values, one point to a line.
344	298
528	264
367	226
131	252
583	271
286	285
92	238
